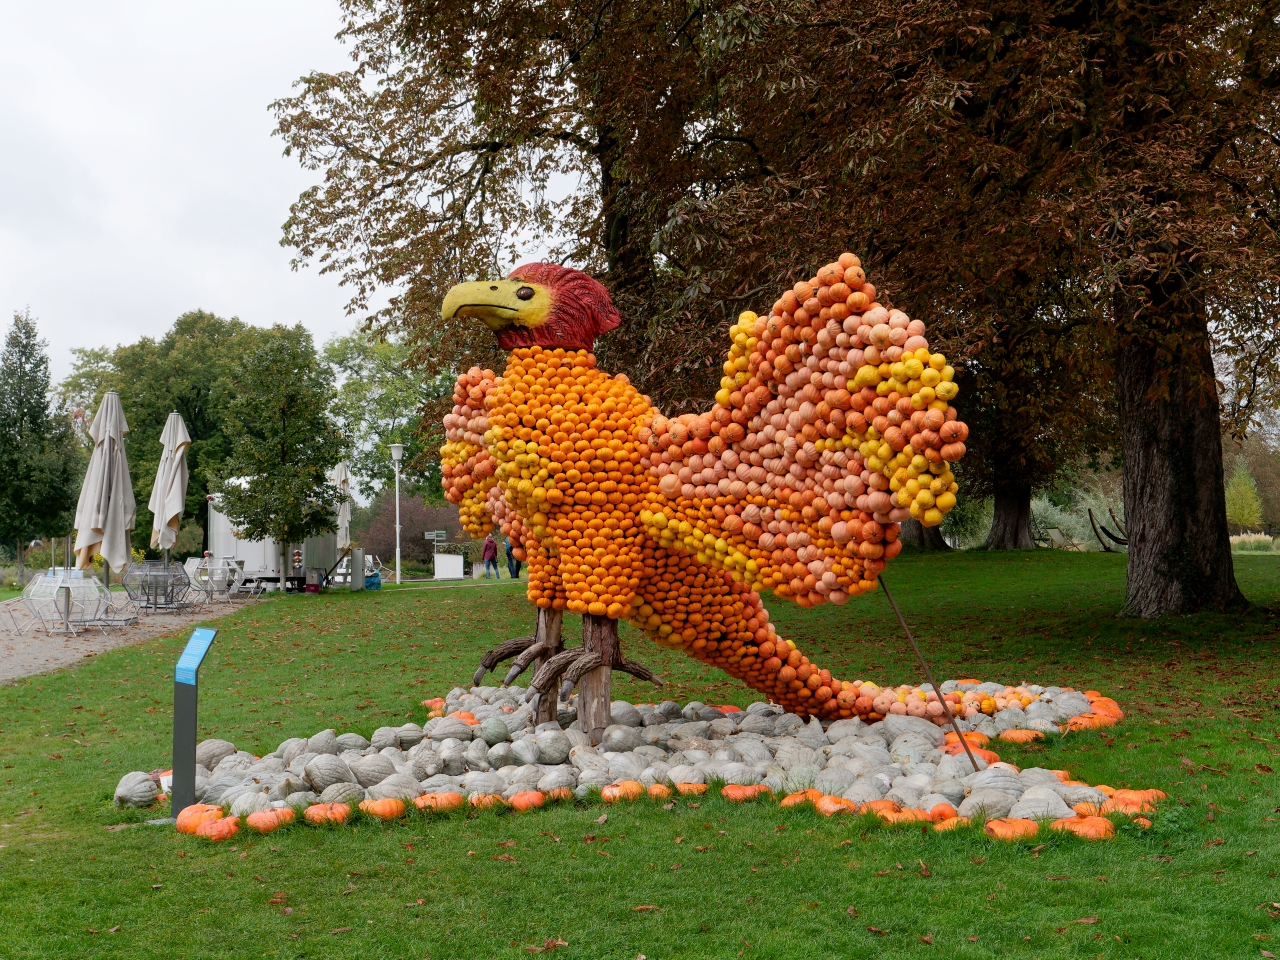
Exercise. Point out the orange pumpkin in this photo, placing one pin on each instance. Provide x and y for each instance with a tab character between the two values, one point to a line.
953	823
439	802
878	807
691	789
196	814
1140	796
486	801
737	793
624	790
1020	736
828	805
942	811
905	815
802	797
527	800
216	830
560	794
387	809
659	791
1127	805
1008	828
1089	828
1142	822
266	821
327	813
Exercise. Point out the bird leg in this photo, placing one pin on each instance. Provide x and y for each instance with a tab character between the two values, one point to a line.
585	663
503	651
544	680
637	670
545	642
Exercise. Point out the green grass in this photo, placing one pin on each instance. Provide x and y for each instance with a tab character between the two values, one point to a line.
1201	694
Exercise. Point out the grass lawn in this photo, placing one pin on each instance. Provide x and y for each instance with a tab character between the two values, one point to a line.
754	881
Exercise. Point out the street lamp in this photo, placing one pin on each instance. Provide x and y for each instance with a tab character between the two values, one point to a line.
397	454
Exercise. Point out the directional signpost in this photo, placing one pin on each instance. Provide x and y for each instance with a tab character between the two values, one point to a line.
185	693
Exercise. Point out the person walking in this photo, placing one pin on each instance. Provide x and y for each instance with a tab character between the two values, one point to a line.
490	557
513	565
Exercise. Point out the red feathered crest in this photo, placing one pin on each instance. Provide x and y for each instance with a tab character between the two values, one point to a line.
581	308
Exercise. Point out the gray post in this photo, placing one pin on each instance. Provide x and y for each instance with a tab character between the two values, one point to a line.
185	694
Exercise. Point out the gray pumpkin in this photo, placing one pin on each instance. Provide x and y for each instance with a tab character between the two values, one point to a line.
136	789
326	770
210	753
342	792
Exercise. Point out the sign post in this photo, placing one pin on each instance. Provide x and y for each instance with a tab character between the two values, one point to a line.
185	693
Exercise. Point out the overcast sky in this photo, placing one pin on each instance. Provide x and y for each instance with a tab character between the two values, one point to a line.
138	175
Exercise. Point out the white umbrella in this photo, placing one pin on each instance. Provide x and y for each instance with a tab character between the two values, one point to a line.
169	495
341	478
106	512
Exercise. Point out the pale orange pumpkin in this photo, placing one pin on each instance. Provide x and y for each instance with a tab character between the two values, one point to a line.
319	813
217	830
1009	828
439	802
196	814
527	800
387	809
1089	828
266	821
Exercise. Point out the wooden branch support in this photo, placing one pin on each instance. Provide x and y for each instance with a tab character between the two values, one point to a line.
548	632
599	635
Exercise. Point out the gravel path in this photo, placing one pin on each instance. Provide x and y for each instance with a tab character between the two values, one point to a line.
37	652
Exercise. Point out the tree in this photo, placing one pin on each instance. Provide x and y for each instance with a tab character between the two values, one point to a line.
39	459
1244	508
274	483
377	405
189	370
440	145
1128	149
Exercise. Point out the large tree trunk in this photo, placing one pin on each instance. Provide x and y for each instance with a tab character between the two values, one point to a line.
916	534
548	632
1174	502
1011	523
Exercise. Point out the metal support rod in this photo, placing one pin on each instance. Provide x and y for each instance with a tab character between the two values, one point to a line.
929	674
397	523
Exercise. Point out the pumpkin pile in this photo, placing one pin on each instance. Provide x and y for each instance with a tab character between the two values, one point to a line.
483	753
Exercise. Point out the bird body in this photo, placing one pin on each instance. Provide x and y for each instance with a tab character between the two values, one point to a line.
827	431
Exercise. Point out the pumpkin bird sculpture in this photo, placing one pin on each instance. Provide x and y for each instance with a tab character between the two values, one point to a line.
832	425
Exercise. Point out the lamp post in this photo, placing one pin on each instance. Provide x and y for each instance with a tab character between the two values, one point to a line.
397	453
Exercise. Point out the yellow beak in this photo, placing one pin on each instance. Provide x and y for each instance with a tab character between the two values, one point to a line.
499	303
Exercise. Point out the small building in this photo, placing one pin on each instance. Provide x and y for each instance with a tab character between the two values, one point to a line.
260	559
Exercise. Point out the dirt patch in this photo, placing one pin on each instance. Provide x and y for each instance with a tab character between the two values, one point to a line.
32	652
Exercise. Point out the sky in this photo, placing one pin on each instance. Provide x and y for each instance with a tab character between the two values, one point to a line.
138	175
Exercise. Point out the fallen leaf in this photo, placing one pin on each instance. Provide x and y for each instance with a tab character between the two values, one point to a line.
506	858
504	843
703	849
287	911
1057	876
156	886
643	908
927	938
877	931
1087	920
974	938
91	930
115	929
1262	768
679	839
1037	849
602	818
675	866
1268	954
337	930
1216	843
852	911
924	869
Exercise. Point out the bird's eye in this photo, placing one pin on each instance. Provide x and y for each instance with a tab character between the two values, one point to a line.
493	288
525	293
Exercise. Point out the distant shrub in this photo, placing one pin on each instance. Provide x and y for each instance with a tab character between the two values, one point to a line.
1252	543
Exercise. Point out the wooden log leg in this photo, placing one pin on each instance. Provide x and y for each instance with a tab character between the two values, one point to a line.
599	634
549	623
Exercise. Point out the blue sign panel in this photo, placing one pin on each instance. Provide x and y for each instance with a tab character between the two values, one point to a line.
193	655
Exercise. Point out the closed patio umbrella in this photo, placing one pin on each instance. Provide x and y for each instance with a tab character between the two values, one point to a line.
169	495
341	478
106	512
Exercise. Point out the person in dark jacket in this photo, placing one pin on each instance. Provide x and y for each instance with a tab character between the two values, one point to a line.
513	565
490	557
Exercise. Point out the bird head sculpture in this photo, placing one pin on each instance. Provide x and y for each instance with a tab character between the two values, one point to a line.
539	304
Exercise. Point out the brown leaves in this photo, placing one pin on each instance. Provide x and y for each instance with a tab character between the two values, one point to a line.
506	858
1087	920
877	931
644	908
1262	768
549	945
1215	843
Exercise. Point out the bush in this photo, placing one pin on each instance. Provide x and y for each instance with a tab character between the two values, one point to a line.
1252	543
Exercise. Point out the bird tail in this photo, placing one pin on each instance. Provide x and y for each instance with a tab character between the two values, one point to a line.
833	424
